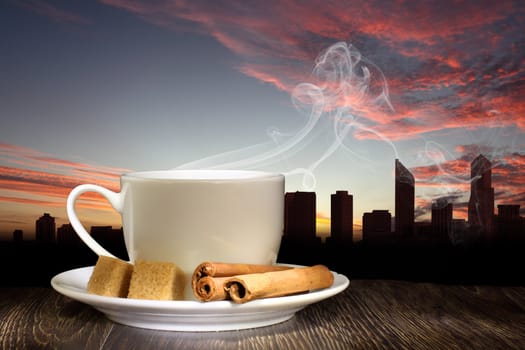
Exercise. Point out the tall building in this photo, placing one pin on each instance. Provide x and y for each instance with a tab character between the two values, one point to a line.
481	202
441	219
107	234
509	221
45	229
299	214
111	239
341	216
377	226
18	236
404	200
66	235
509	212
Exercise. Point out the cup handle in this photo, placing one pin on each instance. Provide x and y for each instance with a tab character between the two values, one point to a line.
115	199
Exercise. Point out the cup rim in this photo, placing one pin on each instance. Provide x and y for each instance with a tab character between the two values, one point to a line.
220	175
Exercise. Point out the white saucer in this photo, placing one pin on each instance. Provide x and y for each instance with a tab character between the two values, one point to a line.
191	316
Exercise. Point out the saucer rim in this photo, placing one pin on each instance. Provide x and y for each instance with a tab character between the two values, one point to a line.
190	315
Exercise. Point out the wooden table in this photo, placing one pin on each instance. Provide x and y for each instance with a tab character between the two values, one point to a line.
370	314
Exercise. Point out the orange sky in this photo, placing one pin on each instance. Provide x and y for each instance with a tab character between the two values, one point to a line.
33	183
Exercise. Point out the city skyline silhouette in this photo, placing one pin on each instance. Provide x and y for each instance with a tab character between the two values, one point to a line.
301	222
444	249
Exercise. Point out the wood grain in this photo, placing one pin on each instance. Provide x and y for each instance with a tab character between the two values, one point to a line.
370	314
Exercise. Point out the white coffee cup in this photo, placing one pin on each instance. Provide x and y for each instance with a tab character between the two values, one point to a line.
191	216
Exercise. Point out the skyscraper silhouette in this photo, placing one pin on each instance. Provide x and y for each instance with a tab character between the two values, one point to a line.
18	236
66	235
377	226
404	200
299	215
341	216
481	202
509	222
45	229
441	219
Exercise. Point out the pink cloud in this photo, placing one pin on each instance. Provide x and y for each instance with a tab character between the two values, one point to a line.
34	178
267	75
285	34
30	201
22	161
446	80
53	12
452	178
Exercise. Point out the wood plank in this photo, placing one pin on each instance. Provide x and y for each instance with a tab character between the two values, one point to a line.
35	318
378	314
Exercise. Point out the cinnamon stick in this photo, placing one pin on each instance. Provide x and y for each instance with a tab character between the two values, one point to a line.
243	288
219	269
209	289
245	282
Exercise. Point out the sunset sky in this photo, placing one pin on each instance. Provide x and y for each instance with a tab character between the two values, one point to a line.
329	93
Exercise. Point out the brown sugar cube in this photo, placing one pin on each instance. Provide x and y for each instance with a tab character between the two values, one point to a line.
156	281
110	277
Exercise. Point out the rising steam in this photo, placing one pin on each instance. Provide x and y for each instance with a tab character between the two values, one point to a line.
346	88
